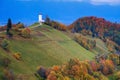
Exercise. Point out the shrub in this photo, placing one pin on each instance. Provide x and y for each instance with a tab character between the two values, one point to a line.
56	68
117	75
107	67
89	77
42	72
17	56
8	74
93	65
18	26
52	76
5	62
99	76
5	44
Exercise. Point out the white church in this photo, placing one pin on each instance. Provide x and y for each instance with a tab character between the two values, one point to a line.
40	19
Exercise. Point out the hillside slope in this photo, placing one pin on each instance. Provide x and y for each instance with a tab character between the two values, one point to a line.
47	47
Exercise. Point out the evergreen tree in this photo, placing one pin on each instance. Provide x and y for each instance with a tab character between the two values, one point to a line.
9	26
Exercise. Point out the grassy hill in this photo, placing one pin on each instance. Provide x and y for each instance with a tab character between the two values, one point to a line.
47	47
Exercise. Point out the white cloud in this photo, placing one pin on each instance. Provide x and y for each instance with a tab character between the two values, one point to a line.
94	2
27	0
105	2
66	0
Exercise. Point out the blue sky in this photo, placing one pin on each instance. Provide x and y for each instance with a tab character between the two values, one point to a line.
65	11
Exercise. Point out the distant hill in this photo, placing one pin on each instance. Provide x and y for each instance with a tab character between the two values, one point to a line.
98	26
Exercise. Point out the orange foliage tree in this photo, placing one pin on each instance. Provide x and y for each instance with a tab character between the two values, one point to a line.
26	32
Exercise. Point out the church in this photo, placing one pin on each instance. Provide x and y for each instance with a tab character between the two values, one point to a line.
40	19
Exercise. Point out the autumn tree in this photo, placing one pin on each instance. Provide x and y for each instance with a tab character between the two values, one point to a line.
20	25
26	32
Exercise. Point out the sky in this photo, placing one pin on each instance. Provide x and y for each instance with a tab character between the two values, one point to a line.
65	11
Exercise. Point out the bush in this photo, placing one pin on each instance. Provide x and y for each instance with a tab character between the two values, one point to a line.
26	32
42	72
17	56
117	75
18	26
8	74
52	76
5	44
5	62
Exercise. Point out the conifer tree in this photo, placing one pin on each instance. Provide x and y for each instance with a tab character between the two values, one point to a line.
9	26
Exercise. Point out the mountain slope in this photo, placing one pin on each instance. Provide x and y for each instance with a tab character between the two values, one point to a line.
47	47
